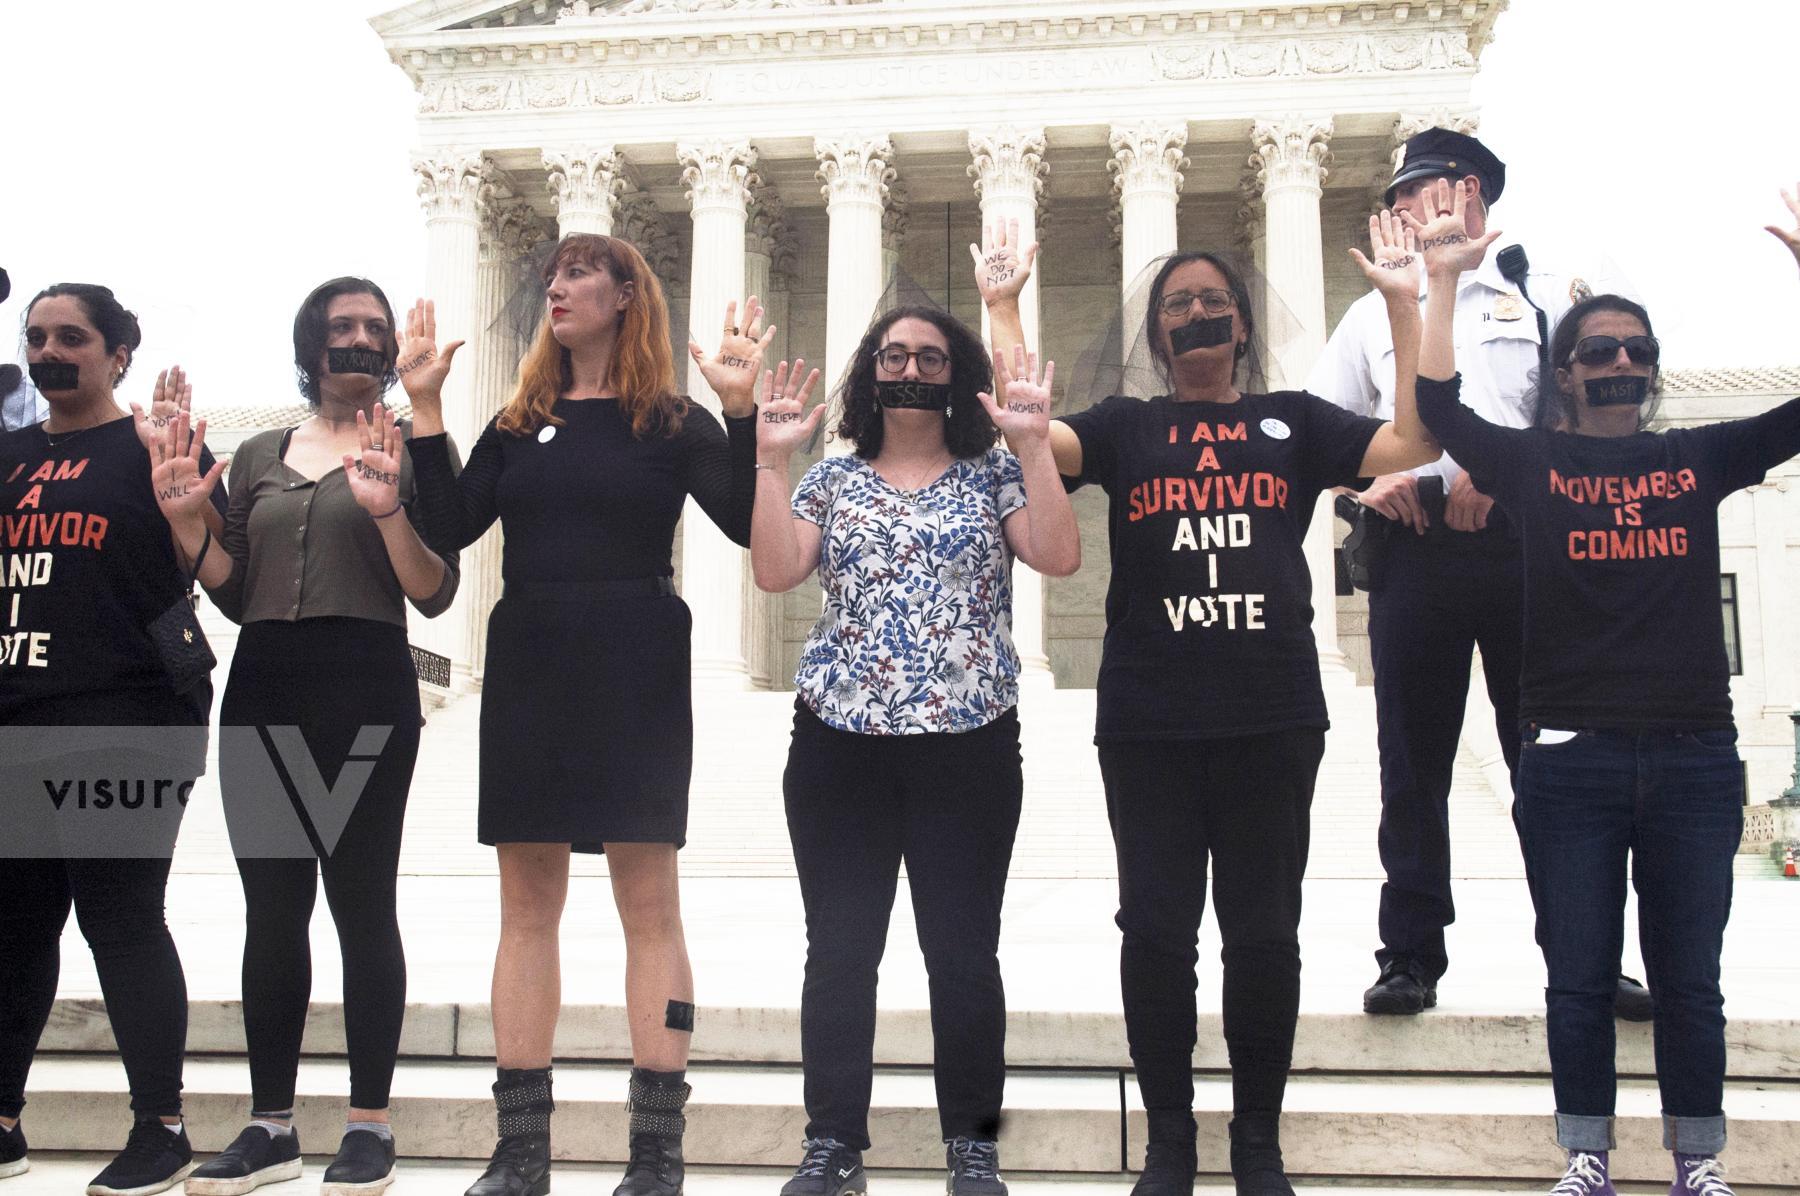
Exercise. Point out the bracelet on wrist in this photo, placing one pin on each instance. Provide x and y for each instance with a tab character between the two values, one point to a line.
782	468
398	507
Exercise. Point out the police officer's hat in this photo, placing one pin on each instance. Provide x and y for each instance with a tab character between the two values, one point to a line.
1442	153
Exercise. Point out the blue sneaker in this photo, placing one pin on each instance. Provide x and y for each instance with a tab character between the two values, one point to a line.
1699	1175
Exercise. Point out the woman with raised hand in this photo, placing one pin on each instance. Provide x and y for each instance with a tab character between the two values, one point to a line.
1211	716
586	723
91	574
1629	746
322	556
906	737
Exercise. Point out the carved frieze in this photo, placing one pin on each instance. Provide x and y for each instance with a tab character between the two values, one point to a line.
1352	54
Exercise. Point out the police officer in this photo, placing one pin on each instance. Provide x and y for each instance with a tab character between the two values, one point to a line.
1452	573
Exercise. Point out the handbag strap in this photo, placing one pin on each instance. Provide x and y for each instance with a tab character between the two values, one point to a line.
194	574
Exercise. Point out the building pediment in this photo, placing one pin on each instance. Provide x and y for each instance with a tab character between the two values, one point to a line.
433	16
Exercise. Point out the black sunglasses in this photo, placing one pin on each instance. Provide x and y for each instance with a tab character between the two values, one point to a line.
1596	351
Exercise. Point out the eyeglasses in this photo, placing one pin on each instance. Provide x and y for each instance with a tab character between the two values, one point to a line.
893	359
1596	351
1213	302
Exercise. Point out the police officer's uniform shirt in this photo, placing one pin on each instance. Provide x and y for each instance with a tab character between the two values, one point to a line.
1209	610
1621	540
1496	345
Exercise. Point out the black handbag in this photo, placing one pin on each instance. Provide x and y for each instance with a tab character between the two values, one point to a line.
178	638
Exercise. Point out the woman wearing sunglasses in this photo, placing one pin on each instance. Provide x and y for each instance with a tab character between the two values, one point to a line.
1625	708
1211	717
906	740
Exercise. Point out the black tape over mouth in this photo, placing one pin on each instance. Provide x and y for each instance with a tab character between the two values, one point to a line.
55	375
357	361
917	396
1624	390
1204	333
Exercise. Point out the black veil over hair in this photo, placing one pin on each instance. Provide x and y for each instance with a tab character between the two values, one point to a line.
1121	361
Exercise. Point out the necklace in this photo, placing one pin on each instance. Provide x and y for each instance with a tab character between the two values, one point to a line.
56	438
931	471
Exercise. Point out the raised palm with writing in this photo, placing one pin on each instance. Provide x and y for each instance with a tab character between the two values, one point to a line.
1445	239
1025	414
783	423
374	471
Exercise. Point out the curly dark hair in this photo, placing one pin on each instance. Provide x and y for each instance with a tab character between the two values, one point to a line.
311	333
968	433
1555	409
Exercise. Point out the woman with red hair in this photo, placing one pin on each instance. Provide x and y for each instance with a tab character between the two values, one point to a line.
586	723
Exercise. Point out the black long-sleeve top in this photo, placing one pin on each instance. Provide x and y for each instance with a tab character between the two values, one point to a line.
588	500
1621	536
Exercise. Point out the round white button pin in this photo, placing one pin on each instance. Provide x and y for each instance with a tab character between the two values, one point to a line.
1277	429
547	433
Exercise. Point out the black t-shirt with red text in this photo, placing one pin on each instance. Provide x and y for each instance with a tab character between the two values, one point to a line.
1209	611
86	564
1622	624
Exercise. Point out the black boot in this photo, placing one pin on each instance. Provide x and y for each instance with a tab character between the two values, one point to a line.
1256	1155
521	1162
1170	1160
655	1169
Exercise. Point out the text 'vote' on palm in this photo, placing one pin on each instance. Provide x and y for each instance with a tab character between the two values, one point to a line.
731	369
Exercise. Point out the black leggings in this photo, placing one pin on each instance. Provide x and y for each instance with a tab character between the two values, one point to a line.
118	901
1246	802
119	907
948	804
330	677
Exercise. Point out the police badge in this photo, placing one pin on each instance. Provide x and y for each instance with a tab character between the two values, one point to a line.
1509	307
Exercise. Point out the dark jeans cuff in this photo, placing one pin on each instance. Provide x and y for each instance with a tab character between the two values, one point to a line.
1694	1135
1577	1132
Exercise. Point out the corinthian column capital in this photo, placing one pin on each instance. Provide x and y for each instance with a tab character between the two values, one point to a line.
1291	151
510	229
453	184
854	168
717	174
1147	156
1008	163
586	181
767	221
1410	125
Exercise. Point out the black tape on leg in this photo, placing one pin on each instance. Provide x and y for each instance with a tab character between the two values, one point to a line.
680	1016
356	361
1203	333
1625	390
55	375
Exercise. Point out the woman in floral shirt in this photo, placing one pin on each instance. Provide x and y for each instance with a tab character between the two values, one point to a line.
906	743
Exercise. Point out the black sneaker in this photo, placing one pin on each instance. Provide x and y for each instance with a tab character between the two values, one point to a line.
12	1151
364	1165
1399	990
829	1169
254	1158
154	1160
974	1168
1631	1001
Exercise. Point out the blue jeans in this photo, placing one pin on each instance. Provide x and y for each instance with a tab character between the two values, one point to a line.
1674	801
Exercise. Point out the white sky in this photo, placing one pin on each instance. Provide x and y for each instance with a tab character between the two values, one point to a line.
213	161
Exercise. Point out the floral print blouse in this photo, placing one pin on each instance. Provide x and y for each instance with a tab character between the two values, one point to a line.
916	635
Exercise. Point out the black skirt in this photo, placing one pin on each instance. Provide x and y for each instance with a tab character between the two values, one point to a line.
587	725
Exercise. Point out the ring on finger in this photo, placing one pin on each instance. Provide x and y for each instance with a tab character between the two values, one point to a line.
731	330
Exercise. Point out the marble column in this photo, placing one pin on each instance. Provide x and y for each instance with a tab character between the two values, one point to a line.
1774	596
1146	166
855	174
1008	168
454	187
1291	160
761	234
509	231
586	181
894	219
717	174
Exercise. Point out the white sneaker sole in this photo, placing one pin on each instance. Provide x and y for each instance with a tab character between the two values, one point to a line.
237	1185
363	1189
16	1167
147	1190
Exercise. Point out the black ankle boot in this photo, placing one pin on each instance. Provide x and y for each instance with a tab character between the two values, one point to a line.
1170	1160
657	1123
1256	1155
520	1165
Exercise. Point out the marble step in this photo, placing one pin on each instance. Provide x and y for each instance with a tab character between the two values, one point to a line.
1072	1122
1441	1041
60	1173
